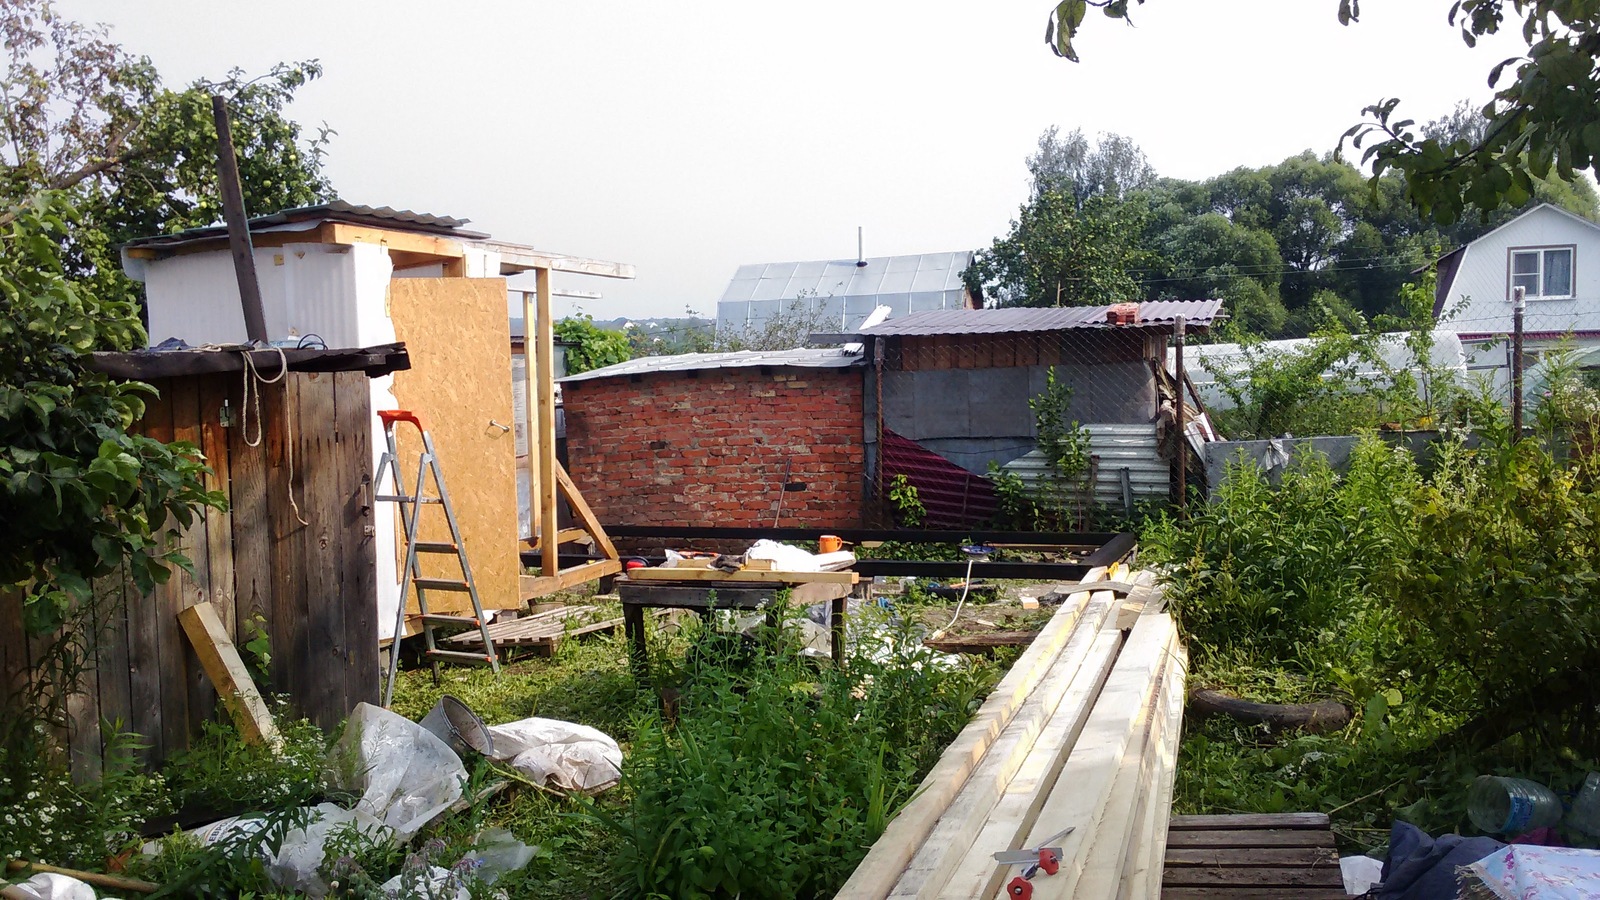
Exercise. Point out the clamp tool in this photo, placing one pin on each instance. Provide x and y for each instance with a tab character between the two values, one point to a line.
1041	857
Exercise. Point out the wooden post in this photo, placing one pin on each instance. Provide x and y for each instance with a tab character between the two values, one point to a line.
544	358
530	411
244	259
1519	303
1183	439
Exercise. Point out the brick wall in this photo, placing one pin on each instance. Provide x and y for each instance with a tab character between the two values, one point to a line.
715	447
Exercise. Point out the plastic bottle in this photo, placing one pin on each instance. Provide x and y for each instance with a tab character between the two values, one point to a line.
1585	812
1512	806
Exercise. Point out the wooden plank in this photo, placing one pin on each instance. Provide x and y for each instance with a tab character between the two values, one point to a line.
1230	857
220	660
316	468
1244	892
145	680
1249	820
83	715
111	653
888	856
1017	809
358	572
686	596
286	623
1114	839
982	642
585	515
532	586
520	258
1265	876
459	339
530	423
743	575
249	519
1141	871
402	241
1114	730
1258	837
214	392
543	364
941	852
201	699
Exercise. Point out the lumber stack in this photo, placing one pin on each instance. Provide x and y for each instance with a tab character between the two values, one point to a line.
1081	733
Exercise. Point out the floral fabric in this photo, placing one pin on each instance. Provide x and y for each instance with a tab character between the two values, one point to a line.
1522	872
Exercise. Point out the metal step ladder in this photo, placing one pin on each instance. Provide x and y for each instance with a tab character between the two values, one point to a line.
410	506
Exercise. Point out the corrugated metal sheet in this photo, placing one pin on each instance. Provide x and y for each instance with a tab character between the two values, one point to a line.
838	293
1119	447
689	362
332	211
952	496
1011	320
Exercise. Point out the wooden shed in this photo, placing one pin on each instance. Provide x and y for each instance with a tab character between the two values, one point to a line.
295	547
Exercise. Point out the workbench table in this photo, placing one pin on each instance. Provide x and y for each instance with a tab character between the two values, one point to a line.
704	596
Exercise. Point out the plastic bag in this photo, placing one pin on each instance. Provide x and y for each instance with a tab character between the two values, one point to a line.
496	852
404	775
563	754
296	863
433	884
50	886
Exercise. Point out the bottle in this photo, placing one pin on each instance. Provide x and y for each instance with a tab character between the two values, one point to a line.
1585	812
1511	806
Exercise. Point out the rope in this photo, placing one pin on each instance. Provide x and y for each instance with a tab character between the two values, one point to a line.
252	376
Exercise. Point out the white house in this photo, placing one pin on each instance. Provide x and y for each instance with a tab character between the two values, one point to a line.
1554	256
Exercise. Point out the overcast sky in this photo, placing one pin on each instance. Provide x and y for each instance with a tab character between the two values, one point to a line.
688	138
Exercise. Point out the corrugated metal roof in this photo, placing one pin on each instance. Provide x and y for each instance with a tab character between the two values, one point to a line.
332	211
1131	447
689	362
1009	320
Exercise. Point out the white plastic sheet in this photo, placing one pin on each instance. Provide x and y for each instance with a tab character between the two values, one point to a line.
560	754
404	774
50	886
298	859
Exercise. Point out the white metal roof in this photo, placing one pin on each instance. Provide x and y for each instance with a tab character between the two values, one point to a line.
828	358
923	273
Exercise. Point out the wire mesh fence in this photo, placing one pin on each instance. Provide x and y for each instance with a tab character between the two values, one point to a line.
1081	428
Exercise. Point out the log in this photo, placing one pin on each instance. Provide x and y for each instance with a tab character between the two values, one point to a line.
1316	718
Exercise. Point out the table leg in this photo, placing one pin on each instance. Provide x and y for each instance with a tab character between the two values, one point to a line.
836	627
633	628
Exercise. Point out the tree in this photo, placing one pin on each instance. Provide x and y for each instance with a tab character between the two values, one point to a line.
1061	254
1546	119
590	346
83	116
1113	167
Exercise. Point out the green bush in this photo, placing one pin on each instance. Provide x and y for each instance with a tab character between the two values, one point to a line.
777	776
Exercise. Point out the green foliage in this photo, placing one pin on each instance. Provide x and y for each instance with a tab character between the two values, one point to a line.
48	818
1540	122
1061	253
908	507
1064	442
80	498
777	776
591	347
220	771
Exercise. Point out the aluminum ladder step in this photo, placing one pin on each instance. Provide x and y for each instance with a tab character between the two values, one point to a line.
437	547
481	659
441	584
447	619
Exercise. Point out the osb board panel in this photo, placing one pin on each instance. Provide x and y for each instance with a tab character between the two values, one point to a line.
459	337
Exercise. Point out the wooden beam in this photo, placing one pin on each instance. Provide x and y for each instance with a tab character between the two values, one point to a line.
115	882
244	258
945	847
565	536
1141	873
543	363
227	672
403	241
766	576
515	258
887	858
533	586
585	515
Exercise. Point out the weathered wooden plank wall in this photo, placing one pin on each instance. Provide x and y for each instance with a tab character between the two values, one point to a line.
295	549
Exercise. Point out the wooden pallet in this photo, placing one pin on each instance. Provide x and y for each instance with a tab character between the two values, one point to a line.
1251	857
540	631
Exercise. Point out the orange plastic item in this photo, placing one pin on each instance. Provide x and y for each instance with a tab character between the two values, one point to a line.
391	416
830	543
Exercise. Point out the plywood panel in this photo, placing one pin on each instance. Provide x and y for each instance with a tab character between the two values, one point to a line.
459	337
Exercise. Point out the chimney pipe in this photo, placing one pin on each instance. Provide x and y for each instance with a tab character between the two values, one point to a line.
861	258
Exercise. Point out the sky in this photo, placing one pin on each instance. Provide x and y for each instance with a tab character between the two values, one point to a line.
690	138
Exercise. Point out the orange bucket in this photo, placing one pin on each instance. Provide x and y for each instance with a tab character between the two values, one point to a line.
830	543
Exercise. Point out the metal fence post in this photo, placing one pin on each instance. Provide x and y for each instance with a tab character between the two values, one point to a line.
1519	302
1183	440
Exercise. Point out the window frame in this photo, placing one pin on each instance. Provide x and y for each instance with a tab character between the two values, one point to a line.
1541	250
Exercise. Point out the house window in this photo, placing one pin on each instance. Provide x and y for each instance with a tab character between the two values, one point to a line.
1543	273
